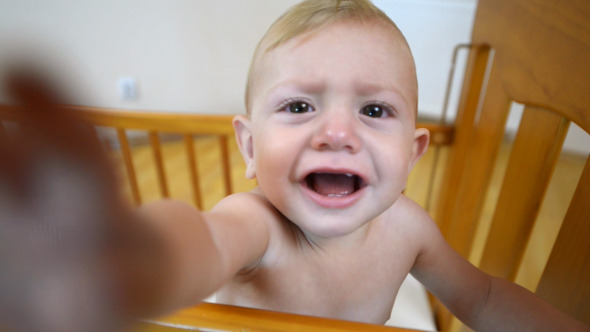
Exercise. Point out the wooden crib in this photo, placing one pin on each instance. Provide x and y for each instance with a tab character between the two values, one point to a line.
533	52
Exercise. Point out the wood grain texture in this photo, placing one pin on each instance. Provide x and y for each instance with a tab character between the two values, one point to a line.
534	155
540	58
571	257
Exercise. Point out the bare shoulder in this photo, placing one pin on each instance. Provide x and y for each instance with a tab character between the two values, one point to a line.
407	229
418	236
246	205
410	217
251	207
419	225
247	221
248	213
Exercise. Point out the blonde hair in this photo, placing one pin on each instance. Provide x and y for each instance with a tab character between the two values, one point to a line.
309	15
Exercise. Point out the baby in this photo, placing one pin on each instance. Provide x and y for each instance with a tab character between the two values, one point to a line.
330	137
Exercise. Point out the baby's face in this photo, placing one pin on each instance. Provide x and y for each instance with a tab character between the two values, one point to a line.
332	129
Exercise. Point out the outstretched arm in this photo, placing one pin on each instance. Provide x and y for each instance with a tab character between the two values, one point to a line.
206	249
73	255
483	302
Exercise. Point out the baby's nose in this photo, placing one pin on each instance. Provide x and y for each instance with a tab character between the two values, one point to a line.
337	132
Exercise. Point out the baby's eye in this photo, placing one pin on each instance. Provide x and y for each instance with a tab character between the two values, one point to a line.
374	111
298	107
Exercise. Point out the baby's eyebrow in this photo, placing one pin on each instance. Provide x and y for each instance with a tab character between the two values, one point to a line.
370	88
366	88
299	85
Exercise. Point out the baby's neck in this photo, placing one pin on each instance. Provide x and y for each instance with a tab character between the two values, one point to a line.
337	244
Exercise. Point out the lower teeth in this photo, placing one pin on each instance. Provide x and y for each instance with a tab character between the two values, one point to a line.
337	195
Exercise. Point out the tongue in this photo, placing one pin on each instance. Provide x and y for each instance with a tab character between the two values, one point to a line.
333	185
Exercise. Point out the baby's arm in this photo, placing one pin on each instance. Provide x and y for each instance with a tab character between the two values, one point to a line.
70	246
483	302
207	248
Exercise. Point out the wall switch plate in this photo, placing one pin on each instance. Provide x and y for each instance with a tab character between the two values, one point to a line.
127	87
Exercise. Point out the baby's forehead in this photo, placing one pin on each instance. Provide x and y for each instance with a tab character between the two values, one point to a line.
379	32
273	41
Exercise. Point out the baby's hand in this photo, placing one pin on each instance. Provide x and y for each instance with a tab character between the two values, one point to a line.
62	257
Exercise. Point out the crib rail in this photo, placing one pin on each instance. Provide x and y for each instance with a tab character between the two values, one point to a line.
154	124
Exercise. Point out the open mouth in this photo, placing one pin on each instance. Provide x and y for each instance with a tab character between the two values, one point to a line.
334	184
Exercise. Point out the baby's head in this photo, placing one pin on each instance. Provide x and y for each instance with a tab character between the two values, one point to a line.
310	15
331	99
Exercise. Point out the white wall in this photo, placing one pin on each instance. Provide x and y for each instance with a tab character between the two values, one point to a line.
433	28
186	55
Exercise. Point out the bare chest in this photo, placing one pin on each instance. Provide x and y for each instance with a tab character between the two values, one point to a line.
359	287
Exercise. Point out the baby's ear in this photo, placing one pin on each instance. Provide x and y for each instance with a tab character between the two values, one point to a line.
244	138
421	140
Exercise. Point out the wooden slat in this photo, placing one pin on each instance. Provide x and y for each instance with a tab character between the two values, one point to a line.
225	162
468	173
159	162
219	317
570	257
482	149
534	156
178	123
192	170
128	161
473	84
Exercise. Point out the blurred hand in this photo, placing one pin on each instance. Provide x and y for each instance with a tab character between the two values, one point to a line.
69	249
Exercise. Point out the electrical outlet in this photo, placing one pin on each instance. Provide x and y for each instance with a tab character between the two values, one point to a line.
127	88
